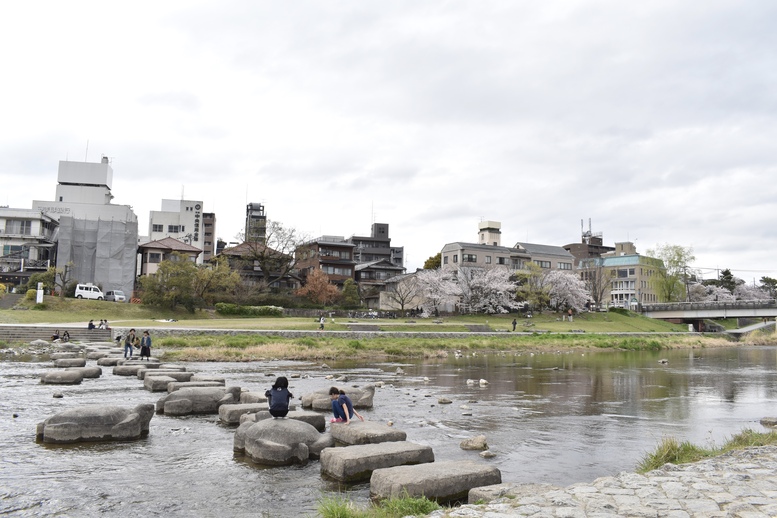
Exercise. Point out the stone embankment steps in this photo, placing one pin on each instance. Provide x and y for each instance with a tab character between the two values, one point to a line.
28	333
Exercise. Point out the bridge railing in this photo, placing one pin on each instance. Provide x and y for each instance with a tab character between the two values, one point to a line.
697	306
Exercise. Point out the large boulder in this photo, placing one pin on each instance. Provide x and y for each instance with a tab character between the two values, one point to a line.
197	400
280	442
320	400
96	423
62	377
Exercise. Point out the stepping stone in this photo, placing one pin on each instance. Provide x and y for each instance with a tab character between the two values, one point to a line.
70	362
253	397
230	414
314	419
157	383
62	377
440	481
178	385
176	375
354	463
88	372
365	432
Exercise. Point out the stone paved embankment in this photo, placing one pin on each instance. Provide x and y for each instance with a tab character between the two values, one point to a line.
738	484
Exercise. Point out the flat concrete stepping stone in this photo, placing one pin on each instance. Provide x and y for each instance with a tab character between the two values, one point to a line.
157	383
316	420
109	361
129	370
354	463
207	377
253	397
365	432
65	363
62	377
88	372
176	375
64	356
440	481
230	414
178	385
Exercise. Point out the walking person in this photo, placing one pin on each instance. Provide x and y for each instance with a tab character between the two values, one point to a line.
145	346
342	407
321	323
278	397
515	322
129	342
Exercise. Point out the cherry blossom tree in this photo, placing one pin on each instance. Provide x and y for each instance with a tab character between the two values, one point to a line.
566	290
437	289
486	290
746	291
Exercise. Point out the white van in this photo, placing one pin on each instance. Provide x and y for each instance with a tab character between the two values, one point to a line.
89	291
115	296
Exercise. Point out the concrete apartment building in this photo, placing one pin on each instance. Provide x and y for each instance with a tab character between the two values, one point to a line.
181	220
97	239
27	244
489	252
377	246
256	223
630	278
331	254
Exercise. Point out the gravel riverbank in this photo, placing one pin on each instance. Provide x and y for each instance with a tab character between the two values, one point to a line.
737	484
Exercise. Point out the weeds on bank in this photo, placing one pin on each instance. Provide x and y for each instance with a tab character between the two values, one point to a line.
340	507
671	451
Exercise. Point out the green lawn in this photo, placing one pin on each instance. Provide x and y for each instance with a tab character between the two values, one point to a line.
61	311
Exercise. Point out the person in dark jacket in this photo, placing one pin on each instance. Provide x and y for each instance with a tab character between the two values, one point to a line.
342	407
278	397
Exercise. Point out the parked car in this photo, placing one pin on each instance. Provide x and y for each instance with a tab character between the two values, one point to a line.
89	291
115	296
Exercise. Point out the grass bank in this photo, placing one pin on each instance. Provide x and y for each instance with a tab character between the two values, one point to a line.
258	347
674	452
339	507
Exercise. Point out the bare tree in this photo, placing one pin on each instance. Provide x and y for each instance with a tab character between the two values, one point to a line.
403	291
271	258
597	280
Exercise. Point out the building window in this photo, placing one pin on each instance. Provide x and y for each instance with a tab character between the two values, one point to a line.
18	226
469	258
157	228
500	260
154	258
455	258
488	259
564	266
543	264
174	229
445	260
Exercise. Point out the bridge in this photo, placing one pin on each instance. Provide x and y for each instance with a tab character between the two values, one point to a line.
696	312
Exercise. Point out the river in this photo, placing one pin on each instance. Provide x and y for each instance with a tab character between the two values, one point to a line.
558	418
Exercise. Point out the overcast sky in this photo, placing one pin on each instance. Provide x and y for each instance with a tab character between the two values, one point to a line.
656	120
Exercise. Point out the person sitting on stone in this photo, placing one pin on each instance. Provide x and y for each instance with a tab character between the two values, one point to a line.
55	336
342	407
278	397
90	325
66	336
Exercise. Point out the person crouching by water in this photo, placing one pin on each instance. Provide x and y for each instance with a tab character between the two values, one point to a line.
342	407
278	397
145	346
129	341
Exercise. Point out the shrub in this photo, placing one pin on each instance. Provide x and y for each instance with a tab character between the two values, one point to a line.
248	311
31	294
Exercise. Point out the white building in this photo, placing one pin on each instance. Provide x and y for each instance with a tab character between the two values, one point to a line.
26	243
96	238
181	220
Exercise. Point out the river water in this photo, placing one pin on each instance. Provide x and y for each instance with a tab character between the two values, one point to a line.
557	418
